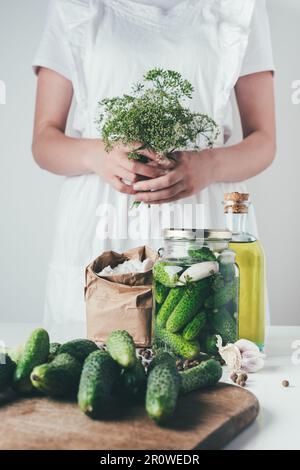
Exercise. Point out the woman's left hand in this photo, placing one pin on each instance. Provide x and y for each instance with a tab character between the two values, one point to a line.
193	172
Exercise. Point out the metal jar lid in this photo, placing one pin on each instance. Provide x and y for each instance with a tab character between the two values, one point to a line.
197	234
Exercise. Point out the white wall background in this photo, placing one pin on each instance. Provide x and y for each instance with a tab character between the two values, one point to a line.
29	196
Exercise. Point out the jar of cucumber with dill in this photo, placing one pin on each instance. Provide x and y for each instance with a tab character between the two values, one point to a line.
196	289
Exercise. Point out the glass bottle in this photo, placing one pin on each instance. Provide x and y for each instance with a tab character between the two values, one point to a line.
251	262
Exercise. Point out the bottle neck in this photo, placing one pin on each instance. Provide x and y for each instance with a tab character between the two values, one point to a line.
237	223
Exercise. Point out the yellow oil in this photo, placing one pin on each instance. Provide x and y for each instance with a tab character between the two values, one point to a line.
251	262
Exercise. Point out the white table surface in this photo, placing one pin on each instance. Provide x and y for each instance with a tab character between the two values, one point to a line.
277	427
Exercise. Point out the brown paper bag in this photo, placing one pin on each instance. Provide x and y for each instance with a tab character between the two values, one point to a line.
119	302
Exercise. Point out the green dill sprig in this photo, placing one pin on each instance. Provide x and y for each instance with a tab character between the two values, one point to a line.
156	115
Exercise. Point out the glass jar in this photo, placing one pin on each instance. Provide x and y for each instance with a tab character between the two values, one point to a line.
196	284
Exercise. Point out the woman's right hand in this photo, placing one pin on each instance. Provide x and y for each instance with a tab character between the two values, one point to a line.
117	169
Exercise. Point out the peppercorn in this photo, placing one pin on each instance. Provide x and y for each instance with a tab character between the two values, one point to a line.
285	383
244	377
241	380
234	377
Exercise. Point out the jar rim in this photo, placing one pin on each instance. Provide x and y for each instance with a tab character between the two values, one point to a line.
197	234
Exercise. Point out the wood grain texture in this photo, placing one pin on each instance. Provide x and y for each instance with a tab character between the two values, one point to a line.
204	420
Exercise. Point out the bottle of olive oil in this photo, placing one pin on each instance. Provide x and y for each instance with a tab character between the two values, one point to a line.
251	262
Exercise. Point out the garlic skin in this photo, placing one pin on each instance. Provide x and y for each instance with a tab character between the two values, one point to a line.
242	356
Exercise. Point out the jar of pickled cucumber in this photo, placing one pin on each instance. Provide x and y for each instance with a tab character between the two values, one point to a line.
196	288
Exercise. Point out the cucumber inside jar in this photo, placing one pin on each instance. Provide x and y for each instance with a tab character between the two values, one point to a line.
196	298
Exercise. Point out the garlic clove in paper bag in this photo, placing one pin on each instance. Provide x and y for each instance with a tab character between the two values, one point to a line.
242	356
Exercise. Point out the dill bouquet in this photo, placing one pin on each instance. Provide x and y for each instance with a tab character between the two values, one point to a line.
155	115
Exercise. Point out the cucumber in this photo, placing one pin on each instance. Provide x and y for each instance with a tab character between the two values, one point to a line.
160	292
166	273
217	282
225	325
162	357
210	344
134	380
194	328
59	378
204	375
100	377
222	296
121	347
35	352
169	305
181	347
162	392
53	351
192	299
228	271
78	348
7	369
202	254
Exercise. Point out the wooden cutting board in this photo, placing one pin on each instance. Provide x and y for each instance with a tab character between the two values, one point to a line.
204	420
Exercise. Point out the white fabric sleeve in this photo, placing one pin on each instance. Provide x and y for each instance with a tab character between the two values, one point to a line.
259	53
54	52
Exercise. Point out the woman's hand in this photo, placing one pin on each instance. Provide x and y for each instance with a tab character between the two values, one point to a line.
194	171
117	169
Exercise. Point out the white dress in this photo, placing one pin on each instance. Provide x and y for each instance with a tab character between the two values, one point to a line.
105	46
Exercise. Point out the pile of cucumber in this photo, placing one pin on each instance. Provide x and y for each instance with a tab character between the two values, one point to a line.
194	302
102	380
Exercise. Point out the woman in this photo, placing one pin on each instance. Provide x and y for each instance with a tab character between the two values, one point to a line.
92	49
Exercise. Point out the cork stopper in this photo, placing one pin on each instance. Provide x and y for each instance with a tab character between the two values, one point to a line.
236	203
236	197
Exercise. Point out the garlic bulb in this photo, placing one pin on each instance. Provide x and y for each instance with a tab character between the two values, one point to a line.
242	356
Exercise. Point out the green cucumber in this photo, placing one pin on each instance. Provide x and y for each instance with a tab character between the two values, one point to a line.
160	292
166	273
7	369
192	299
176	343
209	343
204	375
59	378
99	379
169	305
162	393
217	282
78	348
162	357
228	271
225	325
222	296
194	328
34	353
121	347
53	351
134	380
